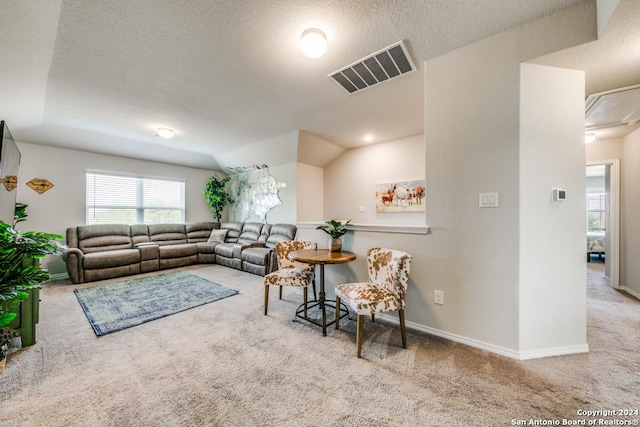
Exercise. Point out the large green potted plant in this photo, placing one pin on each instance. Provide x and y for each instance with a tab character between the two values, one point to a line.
216	195
19	268
335	229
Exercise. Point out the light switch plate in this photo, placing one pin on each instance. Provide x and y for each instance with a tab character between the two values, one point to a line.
488	200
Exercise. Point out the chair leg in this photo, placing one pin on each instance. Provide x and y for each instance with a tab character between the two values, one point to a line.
315	298
304	301
266	299
359	335
373	317
403	330
280	294
337	312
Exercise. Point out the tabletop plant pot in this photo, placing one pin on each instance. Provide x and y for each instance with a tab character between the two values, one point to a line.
335	229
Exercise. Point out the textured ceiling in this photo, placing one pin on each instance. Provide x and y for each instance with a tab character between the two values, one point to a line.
101	75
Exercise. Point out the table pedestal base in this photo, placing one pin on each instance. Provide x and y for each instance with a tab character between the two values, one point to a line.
344	311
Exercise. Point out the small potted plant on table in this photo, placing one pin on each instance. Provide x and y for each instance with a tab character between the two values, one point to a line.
335	229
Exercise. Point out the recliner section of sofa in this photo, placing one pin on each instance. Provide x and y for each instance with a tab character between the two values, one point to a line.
98	252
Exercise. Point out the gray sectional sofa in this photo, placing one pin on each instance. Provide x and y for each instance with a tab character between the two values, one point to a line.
98	252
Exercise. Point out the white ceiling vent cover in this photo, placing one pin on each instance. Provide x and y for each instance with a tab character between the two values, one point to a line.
386	64
612	108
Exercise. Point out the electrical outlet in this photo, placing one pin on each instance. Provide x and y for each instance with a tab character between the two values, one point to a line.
438	297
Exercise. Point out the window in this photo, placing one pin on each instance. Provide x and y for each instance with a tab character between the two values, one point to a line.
596	212
125	199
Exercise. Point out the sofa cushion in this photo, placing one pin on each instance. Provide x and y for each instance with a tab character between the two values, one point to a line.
139	234
280	233
235	228
258	256
218	236
167	234
178	251
250	232
206	247
104	243
225	249
103	237
107	259
199	231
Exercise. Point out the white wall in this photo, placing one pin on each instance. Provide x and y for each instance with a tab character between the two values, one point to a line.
472	147
310	196
630	212
552	268
351	180
603	149
64	205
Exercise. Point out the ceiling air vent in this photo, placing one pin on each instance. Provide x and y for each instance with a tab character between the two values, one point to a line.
612	108
386	64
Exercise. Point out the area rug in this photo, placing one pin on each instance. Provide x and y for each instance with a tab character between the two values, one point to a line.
117	306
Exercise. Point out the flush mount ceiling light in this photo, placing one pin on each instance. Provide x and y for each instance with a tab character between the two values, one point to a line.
313	43
164	133
589	137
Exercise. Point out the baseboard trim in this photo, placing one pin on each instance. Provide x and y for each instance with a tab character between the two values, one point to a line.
558	351
630	291
503	351
59	276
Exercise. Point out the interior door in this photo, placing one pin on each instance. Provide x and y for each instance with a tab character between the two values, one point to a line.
609	172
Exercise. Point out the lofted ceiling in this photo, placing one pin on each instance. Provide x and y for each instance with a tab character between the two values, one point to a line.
102	76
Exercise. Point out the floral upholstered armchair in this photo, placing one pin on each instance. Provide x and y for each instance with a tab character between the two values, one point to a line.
290	273
386	290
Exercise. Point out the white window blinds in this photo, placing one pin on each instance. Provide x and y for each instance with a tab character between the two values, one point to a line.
126	199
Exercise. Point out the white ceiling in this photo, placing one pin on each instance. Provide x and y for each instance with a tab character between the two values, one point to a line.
101	75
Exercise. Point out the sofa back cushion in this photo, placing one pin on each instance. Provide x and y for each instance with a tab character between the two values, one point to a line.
199	231
139	234
167	234
103	237
250	232
235	229
280	233
264	234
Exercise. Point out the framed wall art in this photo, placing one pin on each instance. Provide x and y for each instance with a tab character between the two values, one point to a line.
401	196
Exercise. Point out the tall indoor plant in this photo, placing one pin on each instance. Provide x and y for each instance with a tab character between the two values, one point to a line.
19	269
335	229
216	195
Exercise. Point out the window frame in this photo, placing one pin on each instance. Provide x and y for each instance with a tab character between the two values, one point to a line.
602	211
139	207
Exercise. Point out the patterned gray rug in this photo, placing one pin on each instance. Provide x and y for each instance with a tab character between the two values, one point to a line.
117	306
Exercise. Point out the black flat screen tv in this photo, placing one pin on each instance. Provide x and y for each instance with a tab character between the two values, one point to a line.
9	165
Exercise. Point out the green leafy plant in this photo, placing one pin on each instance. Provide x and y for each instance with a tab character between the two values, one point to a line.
18	271
20	213
333	228
216	195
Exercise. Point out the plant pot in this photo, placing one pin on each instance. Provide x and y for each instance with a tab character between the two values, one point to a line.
335	245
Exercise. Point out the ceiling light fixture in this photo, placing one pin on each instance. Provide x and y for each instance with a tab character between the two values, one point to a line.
313	43
589	137
368	138
164	133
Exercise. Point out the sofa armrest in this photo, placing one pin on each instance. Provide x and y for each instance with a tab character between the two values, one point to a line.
73	258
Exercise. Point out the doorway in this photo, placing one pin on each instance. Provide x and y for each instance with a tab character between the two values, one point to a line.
603	215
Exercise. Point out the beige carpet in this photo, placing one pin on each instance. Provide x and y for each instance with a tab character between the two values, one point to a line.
226	364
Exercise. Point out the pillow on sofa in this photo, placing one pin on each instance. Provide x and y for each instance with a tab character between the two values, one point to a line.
218	235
